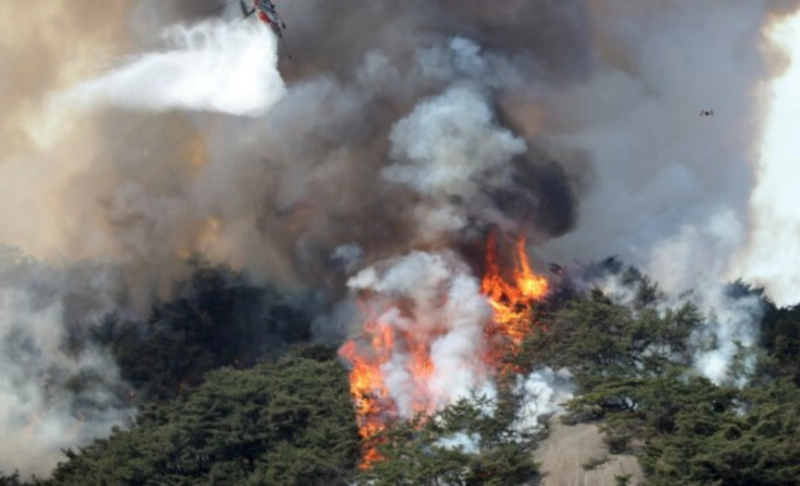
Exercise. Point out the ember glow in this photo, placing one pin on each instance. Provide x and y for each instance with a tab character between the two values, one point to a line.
397	362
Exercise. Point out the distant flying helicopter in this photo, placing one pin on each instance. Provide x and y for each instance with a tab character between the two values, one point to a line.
267	13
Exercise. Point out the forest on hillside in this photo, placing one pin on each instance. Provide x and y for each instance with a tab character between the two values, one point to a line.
230	390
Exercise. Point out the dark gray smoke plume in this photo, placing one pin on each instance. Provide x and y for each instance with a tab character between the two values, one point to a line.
150	130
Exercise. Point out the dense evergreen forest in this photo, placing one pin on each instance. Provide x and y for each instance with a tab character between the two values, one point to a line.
230	392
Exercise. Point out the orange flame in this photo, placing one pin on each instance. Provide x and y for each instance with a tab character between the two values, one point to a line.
369	393
512	302
374	407
512	305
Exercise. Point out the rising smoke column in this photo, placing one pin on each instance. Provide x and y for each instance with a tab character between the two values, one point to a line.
771	258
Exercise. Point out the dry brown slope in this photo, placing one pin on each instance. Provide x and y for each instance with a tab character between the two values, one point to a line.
568	447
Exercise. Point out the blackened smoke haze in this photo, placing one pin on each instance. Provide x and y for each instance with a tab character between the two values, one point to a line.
138	132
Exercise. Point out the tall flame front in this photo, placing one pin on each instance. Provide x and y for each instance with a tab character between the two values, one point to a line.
383	343
512	301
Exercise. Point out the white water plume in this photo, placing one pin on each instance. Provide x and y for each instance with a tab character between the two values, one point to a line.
211	66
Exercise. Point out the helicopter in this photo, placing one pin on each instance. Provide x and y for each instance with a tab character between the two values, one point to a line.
267	13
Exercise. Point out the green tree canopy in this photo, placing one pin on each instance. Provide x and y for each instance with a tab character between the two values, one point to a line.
633	366
473	442
288	423
216	318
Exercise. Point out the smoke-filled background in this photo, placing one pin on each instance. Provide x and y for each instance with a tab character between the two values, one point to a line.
136	133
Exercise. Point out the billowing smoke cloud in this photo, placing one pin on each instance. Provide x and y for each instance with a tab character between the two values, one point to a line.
447	141
694	261
397	126
771	257
444	146
52	398
659	165
279	192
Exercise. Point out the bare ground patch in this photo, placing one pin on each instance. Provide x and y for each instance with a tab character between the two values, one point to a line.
575	455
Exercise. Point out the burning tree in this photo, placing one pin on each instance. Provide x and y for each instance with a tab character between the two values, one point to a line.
432	334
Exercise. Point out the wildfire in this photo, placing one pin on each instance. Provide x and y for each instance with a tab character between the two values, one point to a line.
512	302
393	339
369	391
367	382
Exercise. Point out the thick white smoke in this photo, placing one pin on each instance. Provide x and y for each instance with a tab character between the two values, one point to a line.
432	307
226	67
690	263
732	332
40	409
772	258
448	141
544	392
660	166
450	146
730	328
54	393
